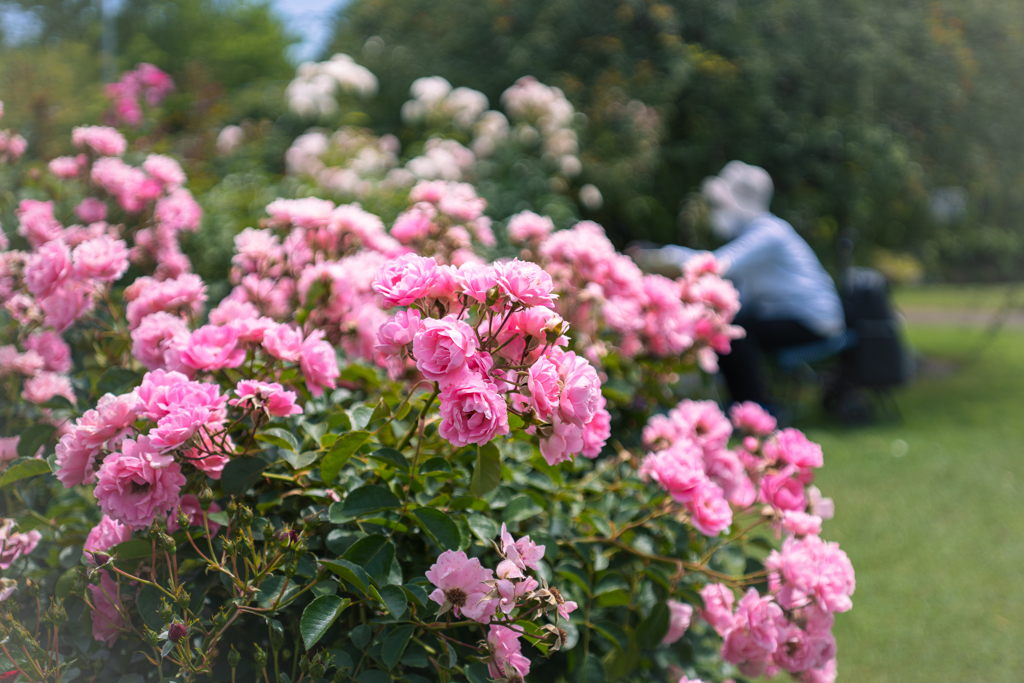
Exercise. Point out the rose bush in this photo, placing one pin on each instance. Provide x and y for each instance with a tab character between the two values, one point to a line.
362	463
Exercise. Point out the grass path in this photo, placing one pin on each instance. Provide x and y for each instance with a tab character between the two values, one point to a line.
931	512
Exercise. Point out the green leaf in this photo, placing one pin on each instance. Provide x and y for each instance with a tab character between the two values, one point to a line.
279	437
514	422
435	467
478	673
574	574
240	474
381	411
23	469
519	508
318	617
391	457
373	676
148	604
440	527
484	528
651	631
299	461
315	431
32	438
487	473
369	498
350	572
133	550
417	593
395	644
610	582
374	554
116	381
614	598
339	454
591	671
360	416
394	599
614	633
270	589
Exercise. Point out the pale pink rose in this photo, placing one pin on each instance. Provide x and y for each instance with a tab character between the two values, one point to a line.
545	387
460	583
161	391
564	441
799	651
45	386
102	258
581	388
178	211
404	279
820	506
175	429
319	363
443	348
476	281
445	286
596	432
525	282
189	504
159	340
66	304
37	223
755	634
703	422
104	536
107	622
472	412
398	331
8	448
214	348
66	167
55	352
710	511
103	140
269	396
679	620
792	447
801	523
48	268
751	418
165	169
283	342
679	469
783	490
29	363
813	571
527	226
184	294
413	224
718	602
210	456
91	210
824	674
75	461
136	484
725	468
507	661
14	544
230	310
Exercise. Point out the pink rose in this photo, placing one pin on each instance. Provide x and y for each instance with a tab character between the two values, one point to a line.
48	268
460	584
718	602
527	226
135	485
507	661
102	258
751	418
476	281
45	386
472	412
404	279
581	387
801	523
213	348
269	396
107	622
564	441
525	282
710	511
319	363
91	210
679	620
443	348
159	340
104	536
398	331
545	387
284	342
792	447
38	225
783	491
66	304
55	352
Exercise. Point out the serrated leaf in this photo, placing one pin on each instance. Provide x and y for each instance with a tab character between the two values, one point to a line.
23	469
393	598
279	437
116	381
240	474
651	631
440	527
319	615
391	457
32	439
487	473
395	644
350	572
369	498
339	454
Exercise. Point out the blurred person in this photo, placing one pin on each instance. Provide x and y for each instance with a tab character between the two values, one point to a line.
786	297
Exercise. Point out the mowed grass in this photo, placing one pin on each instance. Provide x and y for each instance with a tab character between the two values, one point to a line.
959	296
931	512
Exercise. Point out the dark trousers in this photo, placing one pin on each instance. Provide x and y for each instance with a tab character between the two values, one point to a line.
743	367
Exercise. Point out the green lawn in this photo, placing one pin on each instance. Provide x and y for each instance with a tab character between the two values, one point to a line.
960	296
935	527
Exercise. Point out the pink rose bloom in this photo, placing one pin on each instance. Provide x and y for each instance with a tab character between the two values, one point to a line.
230	310
755	635
283	342
161	392
214	348
48	268
792	447
66	167
820	506
679	620
783	491
8	449
718	601
703	422
710	511
398	331
507	660
175	429
178	211
14	544
545	387
751	418
472	412
476	281
525	282
679	469
442	349
801	523
799	651
319	363
813	571
184	294
165	169
581	388
107	622
269	396
91	210
103	140
189	504
527	226
404	279
137	484
564	441
75	461
28	363
45	386
66	304
55	352
104	536
102	258
210	455
460	583
37	223
596	432
412	225
159	340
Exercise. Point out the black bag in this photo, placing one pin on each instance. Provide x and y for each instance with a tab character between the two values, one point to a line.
879	359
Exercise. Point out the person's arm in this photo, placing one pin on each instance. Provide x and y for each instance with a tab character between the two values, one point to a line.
746	251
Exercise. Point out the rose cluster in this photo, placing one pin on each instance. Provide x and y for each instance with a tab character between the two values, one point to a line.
12	145
145	83
445	221
486	335
313	91
499	597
